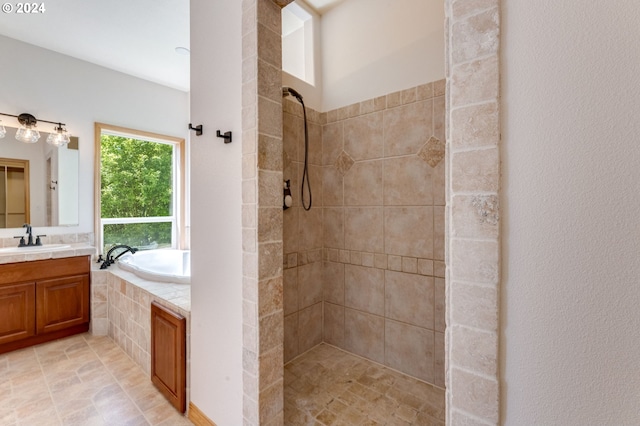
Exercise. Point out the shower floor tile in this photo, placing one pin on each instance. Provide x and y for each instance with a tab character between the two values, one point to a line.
328	386
79	381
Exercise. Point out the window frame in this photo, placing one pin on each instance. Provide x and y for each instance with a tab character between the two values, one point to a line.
179	181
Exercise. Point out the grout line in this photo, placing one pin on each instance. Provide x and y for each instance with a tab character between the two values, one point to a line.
46	382
124	389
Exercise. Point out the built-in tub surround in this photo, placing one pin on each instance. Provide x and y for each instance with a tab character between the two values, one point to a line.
381	206
121	304
121	309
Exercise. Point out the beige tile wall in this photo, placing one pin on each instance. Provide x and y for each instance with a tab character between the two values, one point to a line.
73	238
377	173
383	230
302	233
473	253
99	325
262	223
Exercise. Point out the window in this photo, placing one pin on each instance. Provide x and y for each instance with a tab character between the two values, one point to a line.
139	189
298	43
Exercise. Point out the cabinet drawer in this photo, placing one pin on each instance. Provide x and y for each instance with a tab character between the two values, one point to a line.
17	312
62	303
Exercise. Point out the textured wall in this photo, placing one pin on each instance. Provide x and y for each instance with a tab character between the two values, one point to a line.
216	243
571	100
472	215
262	321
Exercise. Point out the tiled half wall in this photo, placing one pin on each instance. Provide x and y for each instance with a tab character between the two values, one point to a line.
364	268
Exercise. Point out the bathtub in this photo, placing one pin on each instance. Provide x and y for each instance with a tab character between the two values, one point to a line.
173	266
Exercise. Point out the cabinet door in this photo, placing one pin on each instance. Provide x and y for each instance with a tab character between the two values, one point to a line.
62	303
168	355
17	312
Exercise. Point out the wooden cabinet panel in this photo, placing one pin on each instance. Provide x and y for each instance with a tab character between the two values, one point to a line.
168	355
37	270
62	303
17	312
43	300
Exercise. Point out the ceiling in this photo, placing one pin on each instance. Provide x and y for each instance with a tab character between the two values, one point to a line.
322	6
134	37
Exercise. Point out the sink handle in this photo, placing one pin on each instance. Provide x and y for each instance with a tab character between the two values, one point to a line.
22	243
38	241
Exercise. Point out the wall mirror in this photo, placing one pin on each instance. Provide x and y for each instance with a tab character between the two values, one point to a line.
38	182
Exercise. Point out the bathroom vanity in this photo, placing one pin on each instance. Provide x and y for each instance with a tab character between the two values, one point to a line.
43	300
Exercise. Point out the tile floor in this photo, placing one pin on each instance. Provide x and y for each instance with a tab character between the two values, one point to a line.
82	380
327	386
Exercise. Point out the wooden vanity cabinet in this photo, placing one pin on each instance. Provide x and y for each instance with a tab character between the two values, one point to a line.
43	300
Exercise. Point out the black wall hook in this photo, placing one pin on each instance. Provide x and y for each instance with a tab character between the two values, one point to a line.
226	136
198	129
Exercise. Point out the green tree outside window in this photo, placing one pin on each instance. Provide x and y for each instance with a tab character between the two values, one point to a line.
136	181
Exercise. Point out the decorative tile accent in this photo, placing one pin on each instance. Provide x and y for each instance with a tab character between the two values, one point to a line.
344	162
382	261
487	207
432	151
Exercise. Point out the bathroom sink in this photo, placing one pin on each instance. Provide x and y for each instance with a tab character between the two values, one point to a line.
34	249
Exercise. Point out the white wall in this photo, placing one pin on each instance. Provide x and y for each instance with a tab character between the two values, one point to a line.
216	243
374	47
571	156
311	93
52	86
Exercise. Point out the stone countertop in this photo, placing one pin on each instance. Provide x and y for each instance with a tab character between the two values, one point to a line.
76	249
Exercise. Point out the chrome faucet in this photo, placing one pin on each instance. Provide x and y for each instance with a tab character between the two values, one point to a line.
109	258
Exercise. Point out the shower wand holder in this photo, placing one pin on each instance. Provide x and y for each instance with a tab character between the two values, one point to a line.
287	199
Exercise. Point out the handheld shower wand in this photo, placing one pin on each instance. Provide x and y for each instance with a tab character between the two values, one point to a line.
286	91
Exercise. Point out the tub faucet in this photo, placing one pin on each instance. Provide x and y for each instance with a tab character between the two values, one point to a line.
109	258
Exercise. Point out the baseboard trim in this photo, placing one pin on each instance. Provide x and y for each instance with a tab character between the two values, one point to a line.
197	417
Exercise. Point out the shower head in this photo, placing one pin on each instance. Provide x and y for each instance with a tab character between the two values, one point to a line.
286	91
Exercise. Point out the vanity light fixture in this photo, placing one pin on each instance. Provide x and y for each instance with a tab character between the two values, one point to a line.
28	133
3	131
60	137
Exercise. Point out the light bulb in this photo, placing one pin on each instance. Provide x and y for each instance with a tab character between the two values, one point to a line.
27	134
59	137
